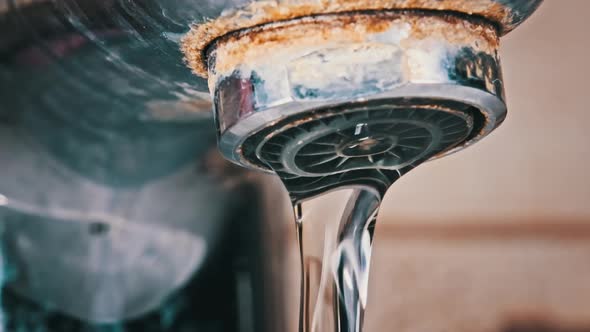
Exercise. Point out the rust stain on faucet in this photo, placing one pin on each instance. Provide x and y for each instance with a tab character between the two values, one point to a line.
259	13
285	41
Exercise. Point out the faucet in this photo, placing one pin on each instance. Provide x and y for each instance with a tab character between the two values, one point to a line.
113	199
350	94
286	75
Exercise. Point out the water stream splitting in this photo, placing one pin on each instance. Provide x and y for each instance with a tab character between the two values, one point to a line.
350	95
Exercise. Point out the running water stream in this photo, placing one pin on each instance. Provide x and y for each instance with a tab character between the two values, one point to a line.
337	167
335	262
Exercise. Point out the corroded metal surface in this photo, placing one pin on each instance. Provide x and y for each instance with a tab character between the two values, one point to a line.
270	61
505	14
283	42
276	71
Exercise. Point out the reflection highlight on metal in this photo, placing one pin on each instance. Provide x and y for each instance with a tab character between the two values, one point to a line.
107	202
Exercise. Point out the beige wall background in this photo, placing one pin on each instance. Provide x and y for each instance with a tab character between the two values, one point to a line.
535	166
498	236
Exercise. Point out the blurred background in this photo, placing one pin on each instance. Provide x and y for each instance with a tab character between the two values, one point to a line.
497	237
